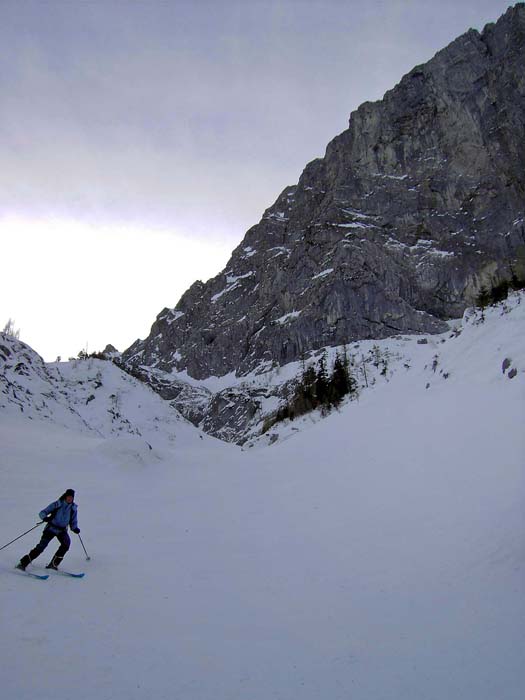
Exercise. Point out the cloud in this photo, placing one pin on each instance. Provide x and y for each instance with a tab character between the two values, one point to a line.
194	114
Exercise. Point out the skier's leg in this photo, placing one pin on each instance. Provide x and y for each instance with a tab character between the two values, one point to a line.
46	538
65	543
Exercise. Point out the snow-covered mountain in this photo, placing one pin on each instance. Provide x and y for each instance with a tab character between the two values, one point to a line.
240	409
377	553
98	396
413	209
90	396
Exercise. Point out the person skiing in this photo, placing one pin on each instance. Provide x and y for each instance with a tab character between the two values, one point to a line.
58	515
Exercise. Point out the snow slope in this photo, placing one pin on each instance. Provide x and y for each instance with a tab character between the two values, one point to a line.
376	554
90	396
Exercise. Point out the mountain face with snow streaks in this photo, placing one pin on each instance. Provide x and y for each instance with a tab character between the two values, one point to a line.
415	208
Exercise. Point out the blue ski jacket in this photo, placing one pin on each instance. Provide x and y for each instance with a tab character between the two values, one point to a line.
66	514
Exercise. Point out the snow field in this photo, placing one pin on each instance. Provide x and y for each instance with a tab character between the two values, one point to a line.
376	554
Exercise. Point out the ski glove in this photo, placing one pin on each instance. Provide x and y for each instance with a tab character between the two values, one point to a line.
76	531
48	518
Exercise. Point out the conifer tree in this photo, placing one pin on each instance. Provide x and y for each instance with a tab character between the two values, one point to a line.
10	330
321	381
306	394
339	381
483	300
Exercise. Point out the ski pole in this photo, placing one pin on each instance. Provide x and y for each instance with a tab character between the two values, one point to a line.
87	555
24	533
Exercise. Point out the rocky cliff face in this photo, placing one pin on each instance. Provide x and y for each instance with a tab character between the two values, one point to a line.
415	207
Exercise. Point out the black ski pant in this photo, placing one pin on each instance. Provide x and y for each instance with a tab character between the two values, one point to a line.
47	536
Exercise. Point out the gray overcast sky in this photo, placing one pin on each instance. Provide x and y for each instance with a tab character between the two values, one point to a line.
188	117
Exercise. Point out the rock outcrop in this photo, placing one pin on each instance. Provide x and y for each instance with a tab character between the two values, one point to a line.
414	208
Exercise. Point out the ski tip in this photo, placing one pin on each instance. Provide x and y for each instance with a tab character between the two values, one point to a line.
41	577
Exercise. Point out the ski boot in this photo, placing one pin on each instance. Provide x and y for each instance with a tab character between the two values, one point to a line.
23	563
54	563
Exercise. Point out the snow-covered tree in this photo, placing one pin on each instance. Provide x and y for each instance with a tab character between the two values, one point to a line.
10	330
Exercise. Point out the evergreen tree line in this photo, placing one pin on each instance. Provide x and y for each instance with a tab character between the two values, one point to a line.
317	388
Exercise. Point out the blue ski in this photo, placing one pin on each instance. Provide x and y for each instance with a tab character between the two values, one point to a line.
60	572
68	573
30	573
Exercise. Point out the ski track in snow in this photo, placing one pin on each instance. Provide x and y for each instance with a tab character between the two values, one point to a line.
373	555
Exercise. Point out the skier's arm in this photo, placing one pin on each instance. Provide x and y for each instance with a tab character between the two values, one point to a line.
48	510
73	523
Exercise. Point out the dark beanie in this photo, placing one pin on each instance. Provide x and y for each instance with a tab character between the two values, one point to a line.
69	492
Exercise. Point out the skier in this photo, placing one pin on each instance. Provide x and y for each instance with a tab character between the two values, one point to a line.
58	515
